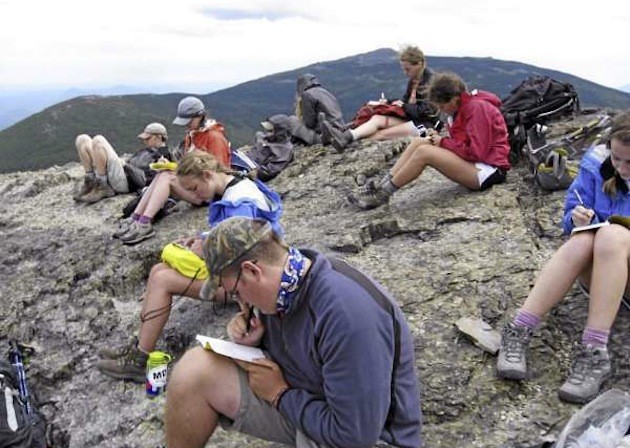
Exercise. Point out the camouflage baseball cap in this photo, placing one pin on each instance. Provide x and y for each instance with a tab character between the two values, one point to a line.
227	242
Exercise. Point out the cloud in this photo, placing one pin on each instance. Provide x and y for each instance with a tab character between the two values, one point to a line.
239	15
146	42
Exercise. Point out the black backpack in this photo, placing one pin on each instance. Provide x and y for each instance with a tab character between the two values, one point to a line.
21	426
537	100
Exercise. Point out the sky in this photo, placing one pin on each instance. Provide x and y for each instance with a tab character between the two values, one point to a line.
200	46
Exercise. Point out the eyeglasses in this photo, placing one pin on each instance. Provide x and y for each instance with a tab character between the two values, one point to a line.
233	295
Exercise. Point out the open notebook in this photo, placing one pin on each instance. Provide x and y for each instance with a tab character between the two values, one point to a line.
613	219
230	349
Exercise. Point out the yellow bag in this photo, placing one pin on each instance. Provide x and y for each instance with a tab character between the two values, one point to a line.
184	261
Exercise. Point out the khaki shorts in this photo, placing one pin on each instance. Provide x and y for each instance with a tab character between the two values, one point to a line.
257	418
115	172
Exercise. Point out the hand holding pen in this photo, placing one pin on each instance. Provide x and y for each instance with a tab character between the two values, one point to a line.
581	215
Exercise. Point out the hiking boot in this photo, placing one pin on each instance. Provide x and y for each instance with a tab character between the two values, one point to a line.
88	185
130	365
124	225
512	359
368	187
138	232
589	369
338	138
325	137
99	192
367	198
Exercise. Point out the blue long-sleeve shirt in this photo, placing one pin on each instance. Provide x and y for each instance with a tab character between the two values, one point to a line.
589	184
336	350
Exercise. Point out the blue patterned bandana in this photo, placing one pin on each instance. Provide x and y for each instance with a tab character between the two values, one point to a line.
292	275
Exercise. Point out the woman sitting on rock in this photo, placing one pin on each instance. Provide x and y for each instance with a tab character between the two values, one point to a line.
204	134
475	155
313	104
420	114
201	175
597	258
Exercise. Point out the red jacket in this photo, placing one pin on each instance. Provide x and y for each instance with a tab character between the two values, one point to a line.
210	139
479	133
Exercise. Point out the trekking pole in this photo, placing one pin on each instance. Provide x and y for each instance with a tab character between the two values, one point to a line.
15	357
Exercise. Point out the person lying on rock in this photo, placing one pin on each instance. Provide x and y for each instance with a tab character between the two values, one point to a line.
232	195
475	154
597	258
204	134
106	174
339	366
419	113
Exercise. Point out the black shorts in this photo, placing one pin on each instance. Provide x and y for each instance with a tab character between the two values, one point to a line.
498	177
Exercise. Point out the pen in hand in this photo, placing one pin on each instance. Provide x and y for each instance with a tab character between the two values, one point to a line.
589	213
579	198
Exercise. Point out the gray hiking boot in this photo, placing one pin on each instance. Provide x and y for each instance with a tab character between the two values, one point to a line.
98	193
338	138
88	185
138	232
367	198
589	369
124	225
512	359
128	364
115	353
325	137
368	187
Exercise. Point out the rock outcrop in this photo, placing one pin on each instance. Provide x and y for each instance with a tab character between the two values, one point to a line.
69	289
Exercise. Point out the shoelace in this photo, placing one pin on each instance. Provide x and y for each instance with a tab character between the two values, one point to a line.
586	361
514	343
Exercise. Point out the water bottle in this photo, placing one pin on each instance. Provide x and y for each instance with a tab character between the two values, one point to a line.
157	371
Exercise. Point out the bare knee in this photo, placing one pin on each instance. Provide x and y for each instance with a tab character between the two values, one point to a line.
579	246
611	241
83	141
99	142
422	152
160	276
197	371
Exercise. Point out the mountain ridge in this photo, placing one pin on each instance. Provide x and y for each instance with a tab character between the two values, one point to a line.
47	138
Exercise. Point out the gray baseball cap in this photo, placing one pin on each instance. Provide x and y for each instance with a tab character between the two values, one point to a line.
189	108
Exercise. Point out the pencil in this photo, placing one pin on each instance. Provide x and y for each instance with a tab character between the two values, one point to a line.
579	198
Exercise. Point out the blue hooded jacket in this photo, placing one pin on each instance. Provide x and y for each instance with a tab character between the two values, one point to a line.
589	184
245	206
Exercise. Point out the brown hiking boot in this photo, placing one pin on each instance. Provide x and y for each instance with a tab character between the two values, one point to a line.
88	185
128	364
99	192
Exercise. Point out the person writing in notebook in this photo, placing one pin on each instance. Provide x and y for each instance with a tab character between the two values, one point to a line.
597	258
340	358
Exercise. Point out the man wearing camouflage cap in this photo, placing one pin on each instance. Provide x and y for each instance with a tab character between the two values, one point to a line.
339	369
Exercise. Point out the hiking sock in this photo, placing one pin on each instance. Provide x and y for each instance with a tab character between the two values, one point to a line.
102	180
144	219
526	319
90	175
387	177
596	338
135	216
388	186
354	135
